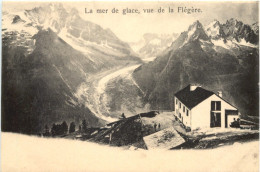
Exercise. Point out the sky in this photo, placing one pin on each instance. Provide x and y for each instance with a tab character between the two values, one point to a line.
131	27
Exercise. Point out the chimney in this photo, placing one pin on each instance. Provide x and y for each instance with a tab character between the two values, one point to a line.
220	93
193	87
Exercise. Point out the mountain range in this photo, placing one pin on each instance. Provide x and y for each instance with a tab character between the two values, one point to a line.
48	53
152	44
218	57
51	57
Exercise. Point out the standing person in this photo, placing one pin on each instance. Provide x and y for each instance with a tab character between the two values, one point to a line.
155	125
159	126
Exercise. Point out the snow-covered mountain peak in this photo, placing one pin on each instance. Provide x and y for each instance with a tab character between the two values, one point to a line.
231	36
196	31
17	19
233	22
214	30
195	25
234	29
53	15
18	30
214	24
84	36
152	44
56	6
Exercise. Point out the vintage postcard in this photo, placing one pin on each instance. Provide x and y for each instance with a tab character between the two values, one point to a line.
126	86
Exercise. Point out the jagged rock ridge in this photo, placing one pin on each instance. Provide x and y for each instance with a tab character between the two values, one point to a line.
221	60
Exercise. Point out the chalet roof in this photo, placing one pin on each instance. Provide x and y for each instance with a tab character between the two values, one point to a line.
192	98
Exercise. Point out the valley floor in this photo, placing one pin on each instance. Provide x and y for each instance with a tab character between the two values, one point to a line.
30	153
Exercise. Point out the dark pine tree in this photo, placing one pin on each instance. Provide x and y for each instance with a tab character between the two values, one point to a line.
46	131
84	125
54	130
79	128
72	127
64	127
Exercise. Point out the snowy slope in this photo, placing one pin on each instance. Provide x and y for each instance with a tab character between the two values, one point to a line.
29	153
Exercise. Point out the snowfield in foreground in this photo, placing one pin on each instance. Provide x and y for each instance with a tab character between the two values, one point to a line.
31	153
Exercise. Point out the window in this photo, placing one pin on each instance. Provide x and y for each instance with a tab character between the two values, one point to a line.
183	108
216	105
179	115
176	101
180	105
187	112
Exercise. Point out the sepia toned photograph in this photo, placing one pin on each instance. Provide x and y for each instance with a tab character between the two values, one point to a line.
126	86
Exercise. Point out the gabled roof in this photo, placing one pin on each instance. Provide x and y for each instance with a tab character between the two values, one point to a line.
193	98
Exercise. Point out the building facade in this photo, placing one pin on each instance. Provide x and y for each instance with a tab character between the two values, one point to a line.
196	108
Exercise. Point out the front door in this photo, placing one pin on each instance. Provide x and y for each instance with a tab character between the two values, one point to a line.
218	120
215	119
